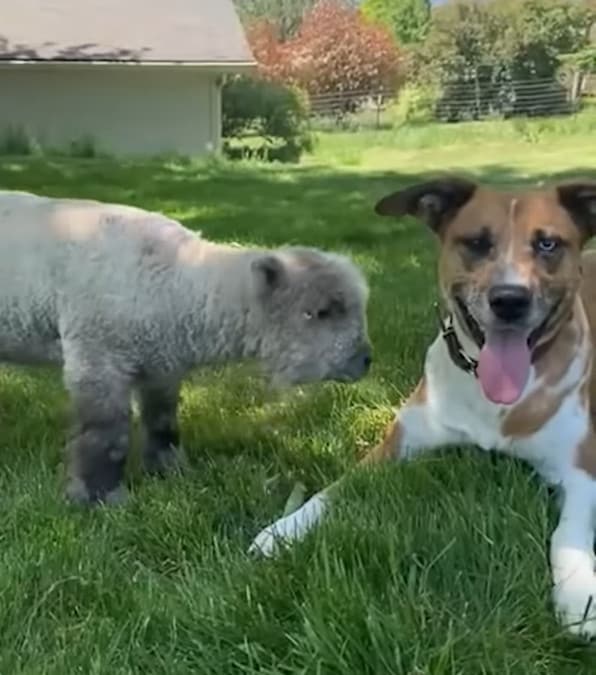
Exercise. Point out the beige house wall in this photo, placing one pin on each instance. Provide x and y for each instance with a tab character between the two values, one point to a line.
125	109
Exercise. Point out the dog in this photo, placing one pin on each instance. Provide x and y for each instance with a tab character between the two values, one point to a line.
511	367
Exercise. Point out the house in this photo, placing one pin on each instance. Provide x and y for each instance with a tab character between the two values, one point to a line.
135	77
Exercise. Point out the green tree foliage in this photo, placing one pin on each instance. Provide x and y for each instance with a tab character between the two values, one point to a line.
407	19
540	32
501	38
480	51
285	14
584	59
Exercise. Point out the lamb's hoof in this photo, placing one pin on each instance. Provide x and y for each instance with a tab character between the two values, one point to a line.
166	462
575	603
78	494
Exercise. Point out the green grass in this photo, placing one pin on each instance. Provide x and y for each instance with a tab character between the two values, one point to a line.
438	567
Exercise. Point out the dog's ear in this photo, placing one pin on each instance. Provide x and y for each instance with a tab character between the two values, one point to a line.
434	202
579	200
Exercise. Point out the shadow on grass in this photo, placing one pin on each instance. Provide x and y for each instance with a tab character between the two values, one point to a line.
257	203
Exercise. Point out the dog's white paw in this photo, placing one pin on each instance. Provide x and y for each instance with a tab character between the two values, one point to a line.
575	604
290	528
270	539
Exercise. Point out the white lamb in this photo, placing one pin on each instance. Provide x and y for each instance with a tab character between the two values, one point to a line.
128	300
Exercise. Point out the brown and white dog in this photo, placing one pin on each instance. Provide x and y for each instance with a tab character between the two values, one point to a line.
511	369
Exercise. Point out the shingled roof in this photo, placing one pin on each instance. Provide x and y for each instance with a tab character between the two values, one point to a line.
171	31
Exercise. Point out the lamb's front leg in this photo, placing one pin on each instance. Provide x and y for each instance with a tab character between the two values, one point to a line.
572	555
162	452
100	434
414	429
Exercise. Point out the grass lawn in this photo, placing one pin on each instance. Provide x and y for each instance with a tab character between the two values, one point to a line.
438	567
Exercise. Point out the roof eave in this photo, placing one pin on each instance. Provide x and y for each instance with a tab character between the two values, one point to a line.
218	66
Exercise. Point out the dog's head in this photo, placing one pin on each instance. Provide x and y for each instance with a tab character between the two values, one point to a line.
509	265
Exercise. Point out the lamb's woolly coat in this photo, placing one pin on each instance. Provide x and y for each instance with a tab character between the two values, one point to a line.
123	298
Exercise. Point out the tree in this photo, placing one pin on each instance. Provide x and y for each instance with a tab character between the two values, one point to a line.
501	38
537	33
461	43
334	50
407	19
285	14
480	52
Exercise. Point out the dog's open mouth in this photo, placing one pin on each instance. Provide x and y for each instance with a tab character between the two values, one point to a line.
506	354
477	334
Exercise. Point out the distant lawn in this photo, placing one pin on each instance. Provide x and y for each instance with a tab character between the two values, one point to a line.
435	568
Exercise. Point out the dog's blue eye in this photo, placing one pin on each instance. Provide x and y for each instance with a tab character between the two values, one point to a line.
547	244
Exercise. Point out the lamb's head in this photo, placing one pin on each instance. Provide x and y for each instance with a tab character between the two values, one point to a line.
312	316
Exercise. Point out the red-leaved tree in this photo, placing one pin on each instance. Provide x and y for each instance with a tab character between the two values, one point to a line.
336	49
271	54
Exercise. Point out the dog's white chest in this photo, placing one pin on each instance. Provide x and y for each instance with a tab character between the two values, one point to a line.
467	417
458	404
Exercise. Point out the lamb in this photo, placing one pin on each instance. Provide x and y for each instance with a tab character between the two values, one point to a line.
128	301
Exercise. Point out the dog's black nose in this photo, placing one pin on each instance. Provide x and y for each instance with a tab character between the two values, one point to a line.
367	361
510	302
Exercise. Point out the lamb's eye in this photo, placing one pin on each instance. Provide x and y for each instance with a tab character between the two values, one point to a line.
307	315
335	308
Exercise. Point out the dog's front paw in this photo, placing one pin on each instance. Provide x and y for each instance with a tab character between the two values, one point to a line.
290	528
575	604
269	540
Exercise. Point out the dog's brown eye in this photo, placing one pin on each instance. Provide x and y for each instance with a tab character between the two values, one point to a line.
480	245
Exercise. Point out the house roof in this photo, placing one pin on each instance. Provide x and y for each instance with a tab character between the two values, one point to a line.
172	31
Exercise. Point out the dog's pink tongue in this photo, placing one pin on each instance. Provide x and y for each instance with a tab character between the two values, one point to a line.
504	366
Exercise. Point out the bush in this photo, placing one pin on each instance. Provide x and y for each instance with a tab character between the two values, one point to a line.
416	104
16	140
274	114
83	148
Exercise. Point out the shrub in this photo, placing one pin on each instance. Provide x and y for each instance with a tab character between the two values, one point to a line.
274	114
16	140
416	104
83	148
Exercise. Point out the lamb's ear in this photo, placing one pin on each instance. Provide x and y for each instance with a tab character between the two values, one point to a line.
434	202
269	273
579	200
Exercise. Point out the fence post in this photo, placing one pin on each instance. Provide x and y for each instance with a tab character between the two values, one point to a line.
576	87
